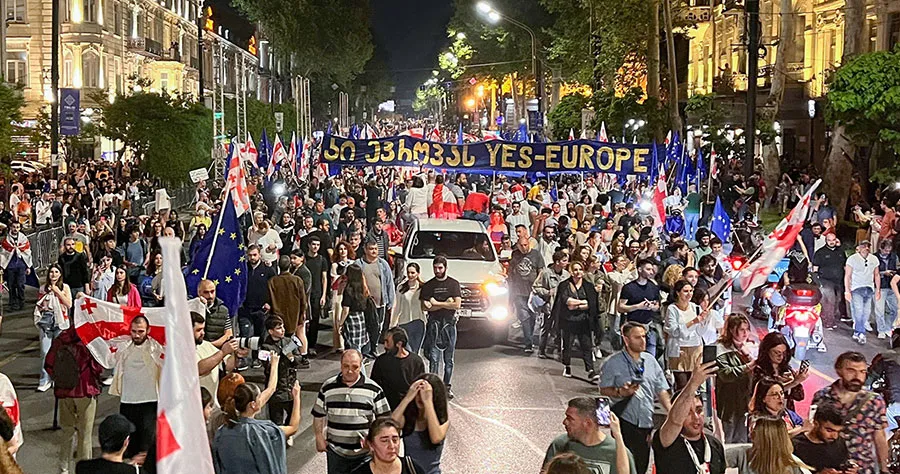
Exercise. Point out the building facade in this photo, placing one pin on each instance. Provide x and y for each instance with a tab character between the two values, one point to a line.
718	62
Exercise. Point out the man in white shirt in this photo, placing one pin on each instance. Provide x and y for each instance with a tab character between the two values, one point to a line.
136	381
862	283
42	210
209	357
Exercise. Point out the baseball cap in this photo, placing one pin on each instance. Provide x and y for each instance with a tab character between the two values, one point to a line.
864	243
114	429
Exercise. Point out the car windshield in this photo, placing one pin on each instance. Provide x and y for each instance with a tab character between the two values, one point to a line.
453	245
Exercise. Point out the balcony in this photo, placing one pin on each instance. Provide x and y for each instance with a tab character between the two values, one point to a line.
145	47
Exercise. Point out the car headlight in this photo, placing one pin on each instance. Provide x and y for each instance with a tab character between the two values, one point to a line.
493	288
499	313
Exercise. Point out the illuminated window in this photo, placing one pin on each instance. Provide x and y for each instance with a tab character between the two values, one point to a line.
15	10
17	68
90	69
90	11
67	69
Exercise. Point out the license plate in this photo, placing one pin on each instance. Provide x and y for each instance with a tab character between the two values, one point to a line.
464	313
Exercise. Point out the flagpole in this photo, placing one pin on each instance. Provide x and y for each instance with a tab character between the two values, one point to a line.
212	248
712	157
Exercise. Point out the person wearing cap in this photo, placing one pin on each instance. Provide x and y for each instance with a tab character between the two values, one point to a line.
862	283
115	433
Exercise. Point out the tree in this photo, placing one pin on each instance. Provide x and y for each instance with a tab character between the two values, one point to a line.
863	98
839	162
168	135
328	40
771	158
616	109
11	103
567	115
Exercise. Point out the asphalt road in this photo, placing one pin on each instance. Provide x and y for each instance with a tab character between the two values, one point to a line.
508	407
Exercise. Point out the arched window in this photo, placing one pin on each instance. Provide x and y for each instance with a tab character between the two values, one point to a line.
90	68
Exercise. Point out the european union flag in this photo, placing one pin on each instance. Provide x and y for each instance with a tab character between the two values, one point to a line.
263	152
701	168
721	222
224	252
459	135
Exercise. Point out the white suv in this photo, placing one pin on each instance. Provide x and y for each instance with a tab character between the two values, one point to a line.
471	260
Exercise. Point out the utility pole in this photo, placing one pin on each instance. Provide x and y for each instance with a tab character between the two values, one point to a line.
200	23
54	88
752	16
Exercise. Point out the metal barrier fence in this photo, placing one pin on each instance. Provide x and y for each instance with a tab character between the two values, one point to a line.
45	243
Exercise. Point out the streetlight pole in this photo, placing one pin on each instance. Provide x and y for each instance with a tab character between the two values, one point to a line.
54	88
752	11
535	64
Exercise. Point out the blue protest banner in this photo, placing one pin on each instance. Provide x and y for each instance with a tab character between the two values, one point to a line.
69	111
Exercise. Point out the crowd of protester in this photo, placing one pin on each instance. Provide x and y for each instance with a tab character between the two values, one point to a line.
589	276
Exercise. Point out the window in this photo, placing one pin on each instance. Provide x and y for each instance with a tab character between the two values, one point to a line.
117	19
120	78
455	245
17	68
15	10
164	81
90	11
67	69
90	69
893	31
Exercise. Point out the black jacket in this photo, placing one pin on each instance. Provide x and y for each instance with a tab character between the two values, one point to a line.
565	291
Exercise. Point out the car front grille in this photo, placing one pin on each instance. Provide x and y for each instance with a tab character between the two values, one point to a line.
473	298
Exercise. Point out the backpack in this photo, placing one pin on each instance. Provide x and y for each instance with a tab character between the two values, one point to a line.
65	368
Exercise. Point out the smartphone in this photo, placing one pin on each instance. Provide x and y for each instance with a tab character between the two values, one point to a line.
804	365
264	355
812	412
709	354
603	411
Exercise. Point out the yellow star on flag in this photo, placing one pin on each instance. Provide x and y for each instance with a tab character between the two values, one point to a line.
242	258
233	236
228	279
216	282
196	271
221	231
241	247
237	271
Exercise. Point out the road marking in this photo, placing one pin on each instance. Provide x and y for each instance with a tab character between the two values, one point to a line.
560	409
515	432
12	357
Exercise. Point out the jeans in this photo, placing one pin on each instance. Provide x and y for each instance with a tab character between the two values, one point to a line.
76	418
338	464
651	341
15	278
415	331
861	308
638	441
831	301
48	332
584	342
691	221
440	336
477	216
526	316
549	330
735	428
893	412
886	311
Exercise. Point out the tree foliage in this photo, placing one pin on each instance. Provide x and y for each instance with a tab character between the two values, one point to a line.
11	103
864	97
168	135
566	115
616	109
707	114
327	39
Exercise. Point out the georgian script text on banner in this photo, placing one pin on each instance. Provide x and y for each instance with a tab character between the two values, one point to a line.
574	155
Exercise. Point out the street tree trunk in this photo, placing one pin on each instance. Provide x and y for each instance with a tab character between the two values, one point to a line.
771	157
838	167
674	115
653	52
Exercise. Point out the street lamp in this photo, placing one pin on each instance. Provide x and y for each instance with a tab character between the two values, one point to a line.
494	17
811	110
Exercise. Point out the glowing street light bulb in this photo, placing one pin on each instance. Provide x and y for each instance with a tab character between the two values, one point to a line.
493	16
484	7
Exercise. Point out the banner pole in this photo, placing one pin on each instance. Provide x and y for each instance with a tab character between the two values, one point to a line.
212	248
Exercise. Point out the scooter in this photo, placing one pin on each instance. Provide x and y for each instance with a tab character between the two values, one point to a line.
799	318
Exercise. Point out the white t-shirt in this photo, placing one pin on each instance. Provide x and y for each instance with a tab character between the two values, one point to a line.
680	335
862	271
139	377
210	380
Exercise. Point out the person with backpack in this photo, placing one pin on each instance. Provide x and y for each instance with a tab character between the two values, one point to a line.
76	383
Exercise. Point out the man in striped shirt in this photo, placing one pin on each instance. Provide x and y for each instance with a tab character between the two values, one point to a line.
345	406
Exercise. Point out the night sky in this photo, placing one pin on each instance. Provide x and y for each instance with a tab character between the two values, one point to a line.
408	35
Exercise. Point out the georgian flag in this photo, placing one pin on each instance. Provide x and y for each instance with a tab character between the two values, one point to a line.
659	197
603	137
417	132
10	402
181	441
435	134
571	134
279	154
237	184
105	327
292	153
489	135
305	154
777	243
713	165
249	152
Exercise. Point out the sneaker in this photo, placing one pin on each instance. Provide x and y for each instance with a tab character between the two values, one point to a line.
529	350
831	328
593	377
304	363
242	366
108	381
856	337
311	353
450	394
567	372
516	324
882	335
846	319
290	441
869	328
543	355
45	386
862	339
